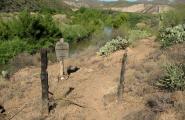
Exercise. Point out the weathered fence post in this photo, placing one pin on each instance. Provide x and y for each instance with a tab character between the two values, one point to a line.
44	82
122	77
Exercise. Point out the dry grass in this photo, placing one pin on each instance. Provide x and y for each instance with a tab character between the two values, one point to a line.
176	53
95	87
3	83
24	60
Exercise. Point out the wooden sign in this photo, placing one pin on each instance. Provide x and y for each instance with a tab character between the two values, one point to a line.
62	50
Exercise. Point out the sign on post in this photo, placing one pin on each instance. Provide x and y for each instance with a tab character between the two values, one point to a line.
62	52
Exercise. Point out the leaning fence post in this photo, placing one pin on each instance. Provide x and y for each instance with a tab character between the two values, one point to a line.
44	82
122	77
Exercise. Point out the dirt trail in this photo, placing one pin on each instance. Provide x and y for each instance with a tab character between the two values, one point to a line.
95	87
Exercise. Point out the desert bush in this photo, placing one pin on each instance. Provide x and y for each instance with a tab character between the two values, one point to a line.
93	20
122	31
36	26
9	49
4	30
173	17
118	20
26	32
120	43
32	27
172	35
134	18
174	78
74	33
170	19
137	34
141	25
39	30
113	45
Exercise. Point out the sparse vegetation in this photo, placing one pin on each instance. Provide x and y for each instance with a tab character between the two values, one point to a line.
9	49
113	45
121	43
26	32
174	78
173	17
137	34
172	35
39	29
74	33
23	33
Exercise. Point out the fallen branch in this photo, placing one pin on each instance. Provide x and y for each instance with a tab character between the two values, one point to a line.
69	91
71	102
18	112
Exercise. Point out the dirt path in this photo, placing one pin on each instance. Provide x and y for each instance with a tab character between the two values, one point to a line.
95	87
96	84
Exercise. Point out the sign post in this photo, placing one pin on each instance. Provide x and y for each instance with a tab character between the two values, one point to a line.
62	52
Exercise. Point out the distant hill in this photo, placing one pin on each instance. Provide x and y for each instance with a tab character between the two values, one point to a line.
141	6
162	1
32	5
121	2
17	5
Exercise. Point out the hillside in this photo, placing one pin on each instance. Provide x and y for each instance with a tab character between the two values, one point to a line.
94	94
32	5
108	42
143	8
121	6
17	5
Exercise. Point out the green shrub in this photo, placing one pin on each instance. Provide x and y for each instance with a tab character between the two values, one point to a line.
173	17
36	26
134	18
141	26
118	20
26	32
9	49
137	34
32	27
172	35
93	20
90	19
74	33
174	78
122	31
113	45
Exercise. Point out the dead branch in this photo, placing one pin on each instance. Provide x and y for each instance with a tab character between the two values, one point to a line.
71	102
18	112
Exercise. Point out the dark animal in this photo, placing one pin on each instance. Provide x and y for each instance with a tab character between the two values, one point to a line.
2	110
72	69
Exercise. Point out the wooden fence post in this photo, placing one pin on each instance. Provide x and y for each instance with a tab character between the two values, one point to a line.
122	77
44	82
